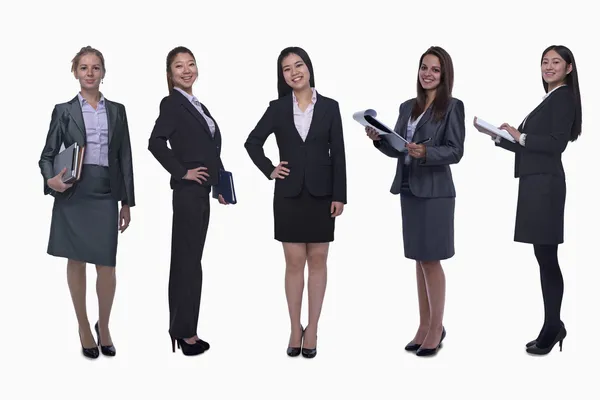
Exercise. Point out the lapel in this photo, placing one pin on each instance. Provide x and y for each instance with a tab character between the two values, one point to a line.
319	110
192	109
288	105
111	117
403	120
77	117
217	136
532	113
426	117
535	110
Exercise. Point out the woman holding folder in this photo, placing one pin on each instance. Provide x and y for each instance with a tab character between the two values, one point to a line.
538	145
433	124
193	162
85	216
310	185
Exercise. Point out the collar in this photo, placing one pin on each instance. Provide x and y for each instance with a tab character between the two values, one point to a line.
83	101
191	98
550	92
313	98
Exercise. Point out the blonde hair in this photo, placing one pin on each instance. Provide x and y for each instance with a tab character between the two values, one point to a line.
87	50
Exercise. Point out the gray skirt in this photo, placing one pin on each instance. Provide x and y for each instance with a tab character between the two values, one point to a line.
85	225
427	226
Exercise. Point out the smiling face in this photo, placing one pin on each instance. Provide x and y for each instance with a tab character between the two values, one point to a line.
295	72
89	72
554	69
430	72
183	71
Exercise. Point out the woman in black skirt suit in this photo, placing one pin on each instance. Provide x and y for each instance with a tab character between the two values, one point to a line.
85	217
434	124
540	141
310	186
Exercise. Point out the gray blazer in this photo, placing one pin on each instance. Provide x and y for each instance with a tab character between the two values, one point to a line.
430	177
67	126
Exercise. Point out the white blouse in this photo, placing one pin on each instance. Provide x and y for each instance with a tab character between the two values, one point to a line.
411	126
302	120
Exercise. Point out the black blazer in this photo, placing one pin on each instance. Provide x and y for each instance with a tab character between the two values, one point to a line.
430	176
548	129
319	162
67	126
192	145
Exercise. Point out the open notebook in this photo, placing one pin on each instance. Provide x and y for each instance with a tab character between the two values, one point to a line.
368	118
489	129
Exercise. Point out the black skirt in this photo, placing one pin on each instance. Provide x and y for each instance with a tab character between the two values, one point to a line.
541	209
85	225
303	219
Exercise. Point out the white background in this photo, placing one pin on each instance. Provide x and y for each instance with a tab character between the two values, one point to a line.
365	55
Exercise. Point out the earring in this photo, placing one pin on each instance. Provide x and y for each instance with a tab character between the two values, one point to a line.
102	81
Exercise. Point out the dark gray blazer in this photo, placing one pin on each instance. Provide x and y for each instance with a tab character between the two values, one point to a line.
67	126
431	176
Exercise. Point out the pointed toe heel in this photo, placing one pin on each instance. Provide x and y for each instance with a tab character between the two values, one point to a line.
109	351
422	352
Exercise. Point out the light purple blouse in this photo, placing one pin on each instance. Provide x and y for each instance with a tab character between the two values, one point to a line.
96	130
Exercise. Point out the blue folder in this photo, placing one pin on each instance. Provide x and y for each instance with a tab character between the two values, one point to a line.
225	187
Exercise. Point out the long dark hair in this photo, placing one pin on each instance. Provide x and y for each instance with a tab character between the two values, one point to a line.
170	57
283	89
443	92
572	81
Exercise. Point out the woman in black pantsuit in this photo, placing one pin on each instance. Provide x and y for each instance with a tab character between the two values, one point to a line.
310	186
540	140
193	161
85	216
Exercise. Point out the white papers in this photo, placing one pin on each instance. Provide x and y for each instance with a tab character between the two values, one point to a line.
367	118
489	129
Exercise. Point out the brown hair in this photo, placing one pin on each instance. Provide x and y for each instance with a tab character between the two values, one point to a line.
87	50
170	57
443	93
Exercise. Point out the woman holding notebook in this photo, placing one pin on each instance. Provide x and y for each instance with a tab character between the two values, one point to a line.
193	161
310	185
433	124
85	216
538	145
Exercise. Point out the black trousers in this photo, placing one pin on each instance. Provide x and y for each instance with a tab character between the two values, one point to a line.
191	213
552	291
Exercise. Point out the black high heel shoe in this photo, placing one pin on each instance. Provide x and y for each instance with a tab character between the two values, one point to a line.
92	352
295	351
186	348
534	349
412	346
534	341
415	346
309	353
106	350
203	343
422	352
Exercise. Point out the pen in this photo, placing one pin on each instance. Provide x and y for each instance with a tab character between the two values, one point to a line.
424	141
